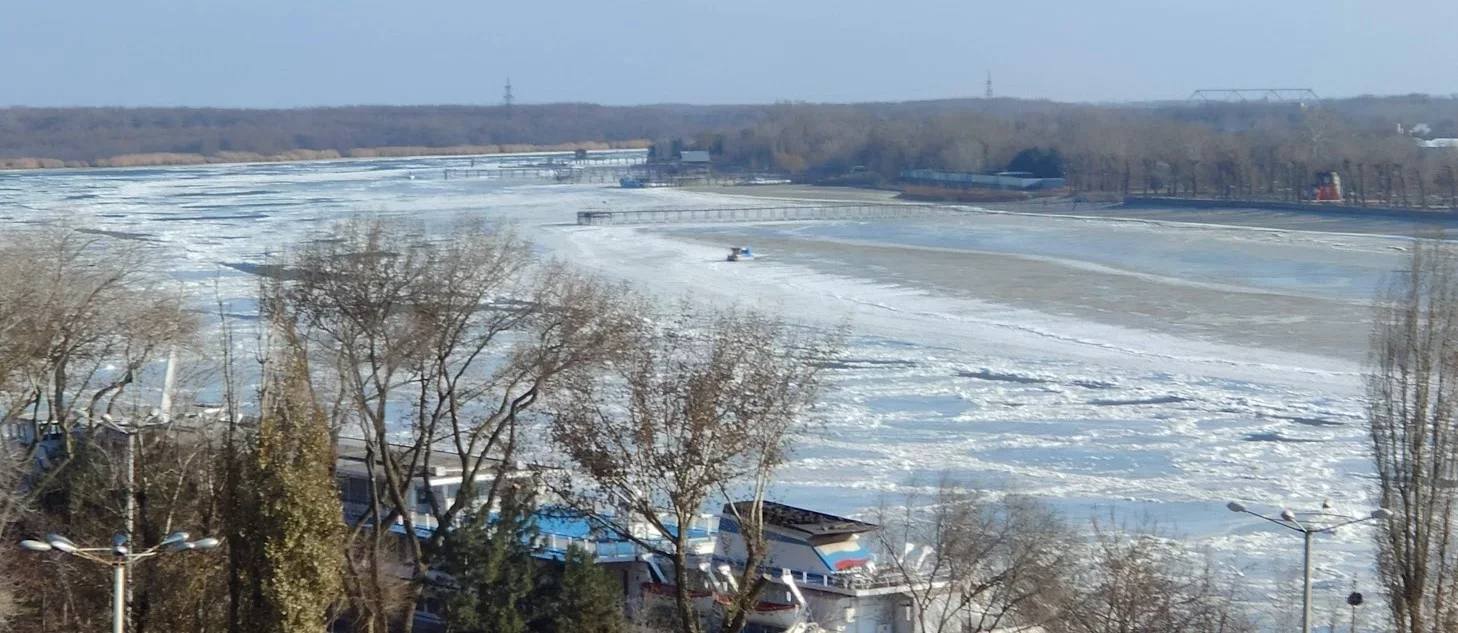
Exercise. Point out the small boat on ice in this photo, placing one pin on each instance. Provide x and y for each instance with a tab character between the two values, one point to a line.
737	253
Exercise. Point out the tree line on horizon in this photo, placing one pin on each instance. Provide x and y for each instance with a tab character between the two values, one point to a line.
1254	151
1271	152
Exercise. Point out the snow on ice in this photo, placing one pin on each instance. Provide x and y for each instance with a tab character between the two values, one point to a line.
1149	366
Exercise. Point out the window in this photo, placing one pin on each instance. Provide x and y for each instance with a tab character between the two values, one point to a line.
354	490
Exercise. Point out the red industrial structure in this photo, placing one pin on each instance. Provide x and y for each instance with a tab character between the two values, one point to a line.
1328	187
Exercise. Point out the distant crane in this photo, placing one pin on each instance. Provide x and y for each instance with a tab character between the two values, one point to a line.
507	99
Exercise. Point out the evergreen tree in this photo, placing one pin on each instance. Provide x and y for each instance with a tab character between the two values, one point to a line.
493	579
1039	162
584	598
291	523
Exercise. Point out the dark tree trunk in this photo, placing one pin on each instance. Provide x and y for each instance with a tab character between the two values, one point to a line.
1362	183
1452	187
1401	184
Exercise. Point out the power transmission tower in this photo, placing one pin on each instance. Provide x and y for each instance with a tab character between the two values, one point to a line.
989	84
507	99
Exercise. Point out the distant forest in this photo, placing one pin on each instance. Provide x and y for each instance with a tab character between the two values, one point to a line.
52	137
1241	150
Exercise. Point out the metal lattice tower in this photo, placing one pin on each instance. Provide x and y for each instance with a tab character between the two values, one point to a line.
989	84
507	99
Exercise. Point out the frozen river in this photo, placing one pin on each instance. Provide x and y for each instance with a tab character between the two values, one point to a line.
1151	366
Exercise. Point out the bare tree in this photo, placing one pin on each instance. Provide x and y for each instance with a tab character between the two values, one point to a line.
1411	385
80	317
436	348
179	487
974	561
703	402
12	505
85	320
1136	581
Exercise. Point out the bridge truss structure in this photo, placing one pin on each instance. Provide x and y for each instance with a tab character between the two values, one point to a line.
1249	95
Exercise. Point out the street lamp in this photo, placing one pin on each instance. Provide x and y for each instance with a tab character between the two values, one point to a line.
1308	527
118	557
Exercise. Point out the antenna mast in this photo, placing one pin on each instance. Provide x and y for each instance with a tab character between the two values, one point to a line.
507	99
989	84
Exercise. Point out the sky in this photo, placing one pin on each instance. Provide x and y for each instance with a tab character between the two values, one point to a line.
295	53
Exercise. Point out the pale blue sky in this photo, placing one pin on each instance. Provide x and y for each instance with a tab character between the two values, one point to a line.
280	53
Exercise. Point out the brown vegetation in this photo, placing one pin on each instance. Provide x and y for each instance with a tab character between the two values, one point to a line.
700	404
1245	151
467	333
1414	434
1136	580
82	322
1008	562
942	194
170	158
81	137
1223	151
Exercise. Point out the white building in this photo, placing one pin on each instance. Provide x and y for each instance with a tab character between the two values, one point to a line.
824	565
821	567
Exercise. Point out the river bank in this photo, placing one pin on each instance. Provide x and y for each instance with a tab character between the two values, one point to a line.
1368	222
175	159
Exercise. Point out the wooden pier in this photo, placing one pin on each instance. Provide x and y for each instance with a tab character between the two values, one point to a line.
792	213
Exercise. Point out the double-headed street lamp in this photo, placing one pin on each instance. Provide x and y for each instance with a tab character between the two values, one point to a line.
118	557
1311	524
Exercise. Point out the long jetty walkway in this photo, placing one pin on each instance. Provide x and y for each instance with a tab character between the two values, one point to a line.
793	213
600	169
564	173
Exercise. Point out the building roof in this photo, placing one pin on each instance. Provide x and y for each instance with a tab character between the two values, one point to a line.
694	156
351	455
807	521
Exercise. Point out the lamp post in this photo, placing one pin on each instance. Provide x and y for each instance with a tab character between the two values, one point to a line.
1309	527
119	558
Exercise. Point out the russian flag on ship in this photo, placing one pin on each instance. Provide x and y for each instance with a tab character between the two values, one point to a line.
843	555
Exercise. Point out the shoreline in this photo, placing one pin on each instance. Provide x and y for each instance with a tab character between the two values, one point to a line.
171	159
1251	217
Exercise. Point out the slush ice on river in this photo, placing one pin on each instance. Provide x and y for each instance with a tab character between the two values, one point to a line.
1147	364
